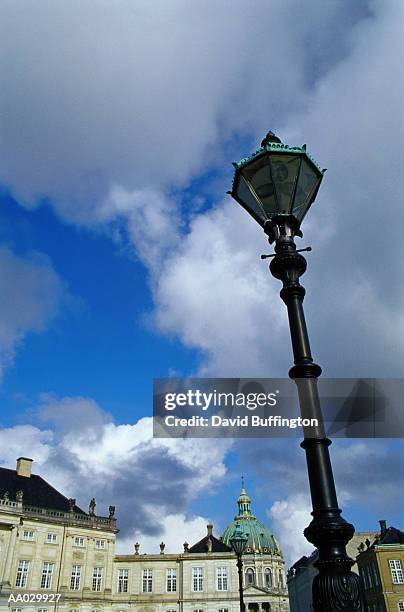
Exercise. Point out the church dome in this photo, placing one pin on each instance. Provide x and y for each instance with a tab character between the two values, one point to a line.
260	538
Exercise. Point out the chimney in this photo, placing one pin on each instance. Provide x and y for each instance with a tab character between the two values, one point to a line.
24	466
382	527
210	529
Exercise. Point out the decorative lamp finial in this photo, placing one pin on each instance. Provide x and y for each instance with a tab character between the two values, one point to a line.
270	137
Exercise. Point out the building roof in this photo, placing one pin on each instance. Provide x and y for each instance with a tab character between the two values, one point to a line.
260	538
392	535
305	561
36	491
204	546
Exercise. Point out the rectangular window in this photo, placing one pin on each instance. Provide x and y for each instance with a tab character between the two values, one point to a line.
197	579
27	535
223	609
78	541
221	578
51	538
198	610
100	544
401	606
42	609
75	578
22	574
396	571
97	579
123	576
171	580
147	583
46	578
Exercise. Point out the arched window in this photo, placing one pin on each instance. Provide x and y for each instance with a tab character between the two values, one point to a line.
249	576
268	578
280	579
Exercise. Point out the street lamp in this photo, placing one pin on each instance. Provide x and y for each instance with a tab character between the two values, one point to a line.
277	185
238	542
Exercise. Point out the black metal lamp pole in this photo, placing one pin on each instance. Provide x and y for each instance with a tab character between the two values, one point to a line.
238	542
335	588
277	185
240	581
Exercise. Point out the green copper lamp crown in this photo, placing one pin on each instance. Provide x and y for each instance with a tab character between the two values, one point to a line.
277	183
238	540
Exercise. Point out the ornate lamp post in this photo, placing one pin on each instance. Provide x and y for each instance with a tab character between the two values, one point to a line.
238	543
277	185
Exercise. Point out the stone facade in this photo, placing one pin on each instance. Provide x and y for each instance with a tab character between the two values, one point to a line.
47	550
381	566
38	548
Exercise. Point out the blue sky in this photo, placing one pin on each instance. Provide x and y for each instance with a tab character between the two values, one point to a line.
122	259
103	319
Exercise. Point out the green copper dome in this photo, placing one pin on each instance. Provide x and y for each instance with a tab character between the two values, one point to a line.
260	539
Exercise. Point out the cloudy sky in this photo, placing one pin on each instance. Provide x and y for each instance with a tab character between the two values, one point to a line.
122	259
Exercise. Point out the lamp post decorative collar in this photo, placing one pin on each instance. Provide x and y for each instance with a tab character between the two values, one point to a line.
277	185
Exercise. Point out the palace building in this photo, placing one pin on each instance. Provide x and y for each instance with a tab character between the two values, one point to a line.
381	566
50	546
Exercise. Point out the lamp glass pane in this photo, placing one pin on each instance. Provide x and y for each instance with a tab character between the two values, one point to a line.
259	176
244	193
284	171
307	181
238	544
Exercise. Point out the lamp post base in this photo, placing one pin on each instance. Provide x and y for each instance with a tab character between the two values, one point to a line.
337	593
335	588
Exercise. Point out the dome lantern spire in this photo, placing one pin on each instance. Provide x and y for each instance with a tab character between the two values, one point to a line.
259	538
243	501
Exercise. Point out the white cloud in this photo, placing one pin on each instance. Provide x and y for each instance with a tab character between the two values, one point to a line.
368	473
216	295
150	219
140	94
377	476
175	529
289	519
24	439
84	454
129	100
31	293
